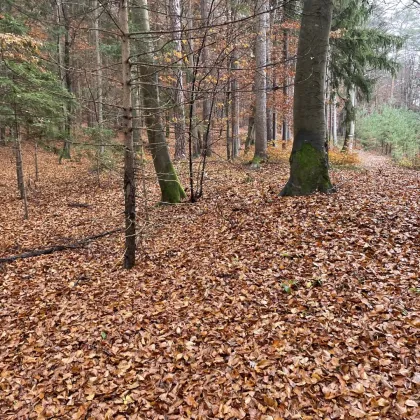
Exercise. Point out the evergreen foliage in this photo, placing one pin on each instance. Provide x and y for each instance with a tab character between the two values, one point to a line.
357	49
30	93
394	129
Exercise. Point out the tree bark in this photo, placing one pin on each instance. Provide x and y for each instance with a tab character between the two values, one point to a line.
129	156
285	125
309	160
207	102
179	112
171	189
350	116
99	78
261	83
236	143
19	173
63	14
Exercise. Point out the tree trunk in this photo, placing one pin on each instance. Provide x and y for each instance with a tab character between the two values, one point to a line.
250	137
98	57
260	83
207	102
269	86
350	116
129	161
19	173
65	154
334	121
285	126
179	112
236	142
309	160
171	189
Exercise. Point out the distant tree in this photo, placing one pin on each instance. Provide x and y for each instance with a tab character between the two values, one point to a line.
261	8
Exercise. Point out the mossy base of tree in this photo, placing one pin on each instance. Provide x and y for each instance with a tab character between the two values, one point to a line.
308	172
171	189
257	161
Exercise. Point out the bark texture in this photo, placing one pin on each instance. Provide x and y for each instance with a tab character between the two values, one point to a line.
129	163
179	112
171	189
261	83
309	159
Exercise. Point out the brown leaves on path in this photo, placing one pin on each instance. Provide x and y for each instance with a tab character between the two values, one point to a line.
244	305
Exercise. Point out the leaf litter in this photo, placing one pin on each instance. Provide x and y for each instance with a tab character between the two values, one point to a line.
241	306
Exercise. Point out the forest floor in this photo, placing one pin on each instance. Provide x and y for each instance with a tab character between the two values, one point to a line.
244	305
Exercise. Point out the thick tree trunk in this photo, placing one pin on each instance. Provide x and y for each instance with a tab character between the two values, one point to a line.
309	160
261	83
129	154
171	189
179	112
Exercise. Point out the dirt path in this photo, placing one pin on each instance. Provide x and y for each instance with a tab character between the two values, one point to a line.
374	161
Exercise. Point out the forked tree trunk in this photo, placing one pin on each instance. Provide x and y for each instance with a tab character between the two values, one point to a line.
261	83
129	161
309	160
171	189
179	112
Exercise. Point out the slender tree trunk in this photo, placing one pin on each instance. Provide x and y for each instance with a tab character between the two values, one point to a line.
99	78
2	136
196	146
269	85
65	154
171	189
179	112
250	137
36	162
285	126
350	116
309	160
260	84
207	102
19	173
334	121
236	142
129	154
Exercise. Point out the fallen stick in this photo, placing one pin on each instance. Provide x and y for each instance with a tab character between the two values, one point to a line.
73	245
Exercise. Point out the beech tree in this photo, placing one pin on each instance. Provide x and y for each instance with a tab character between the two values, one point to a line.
171	189
309	159
262	7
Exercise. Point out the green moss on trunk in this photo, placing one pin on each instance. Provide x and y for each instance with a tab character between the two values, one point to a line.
309	172
172	191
